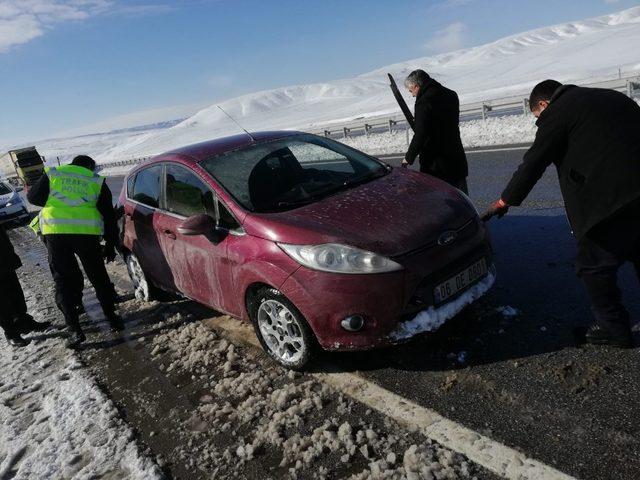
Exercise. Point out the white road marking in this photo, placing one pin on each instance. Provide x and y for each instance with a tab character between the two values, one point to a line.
490	454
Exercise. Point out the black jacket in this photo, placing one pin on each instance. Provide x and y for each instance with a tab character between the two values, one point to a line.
9	261
437	134
592	136
39	193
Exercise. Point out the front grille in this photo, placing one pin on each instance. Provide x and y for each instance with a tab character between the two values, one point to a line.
423	295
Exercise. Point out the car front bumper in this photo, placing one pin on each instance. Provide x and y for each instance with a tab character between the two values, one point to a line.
14	212
395	306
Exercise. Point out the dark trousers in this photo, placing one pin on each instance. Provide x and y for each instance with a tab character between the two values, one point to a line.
459	183
14	306
76	279
63	250
601	252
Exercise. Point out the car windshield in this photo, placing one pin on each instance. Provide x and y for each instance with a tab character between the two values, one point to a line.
4	189
290	172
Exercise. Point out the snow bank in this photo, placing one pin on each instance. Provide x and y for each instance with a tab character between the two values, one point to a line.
433	318
575	51
56	423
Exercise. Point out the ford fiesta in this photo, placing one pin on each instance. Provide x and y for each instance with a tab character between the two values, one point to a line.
315	243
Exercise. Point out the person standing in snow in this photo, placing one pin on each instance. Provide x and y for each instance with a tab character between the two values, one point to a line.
14	319
77	213
436	136
591	136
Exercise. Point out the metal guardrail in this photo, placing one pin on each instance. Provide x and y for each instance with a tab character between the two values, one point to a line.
513	105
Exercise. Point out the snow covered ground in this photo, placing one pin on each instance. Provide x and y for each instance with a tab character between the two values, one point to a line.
55	422
592	49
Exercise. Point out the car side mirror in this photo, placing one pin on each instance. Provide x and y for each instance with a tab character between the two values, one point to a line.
200	224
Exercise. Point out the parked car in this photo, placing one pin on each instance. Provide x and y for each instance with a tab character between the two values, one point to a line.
12	208
314	242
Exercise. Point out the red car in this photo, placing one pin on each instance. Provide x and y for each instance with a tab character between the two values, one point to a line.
314	242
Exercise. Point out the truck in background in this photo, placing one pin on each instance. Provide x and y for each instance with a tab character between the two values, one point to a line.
23	166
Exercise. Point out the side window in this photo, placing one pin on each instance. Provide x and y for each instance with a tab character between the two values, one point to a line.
146	186
130	182
186	194
226	219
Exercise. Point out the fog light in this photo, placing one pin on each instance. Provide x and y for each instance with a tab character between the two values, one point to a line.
353	323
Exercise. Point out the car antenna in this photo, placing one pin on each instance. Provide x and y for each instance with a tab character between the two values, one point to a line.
234	121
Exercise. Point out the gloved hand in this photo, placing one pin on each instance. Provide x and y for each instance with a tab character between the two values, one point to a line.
498	208
109	253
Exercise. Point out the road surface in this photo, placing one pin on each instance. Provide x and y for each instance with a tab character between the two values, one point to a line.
521	380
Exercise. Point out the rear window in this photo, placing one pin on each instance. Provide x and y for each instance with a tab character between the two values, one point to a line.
146	186
4	189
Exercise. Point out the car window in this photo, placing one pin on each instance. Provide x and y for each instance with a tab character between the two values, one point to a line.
186	194
146	187
4	189
130	182
289	172
226	220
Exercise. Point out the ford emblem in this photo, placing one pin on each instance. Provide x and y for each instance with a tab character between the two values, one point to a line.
447	238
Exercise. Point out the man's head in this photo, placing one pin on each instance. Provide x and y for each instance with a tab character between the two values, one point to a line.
541	96
84	161
416	81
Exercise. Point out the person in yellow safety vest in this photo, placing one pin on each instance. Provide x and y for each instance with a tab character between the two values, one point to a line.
77	213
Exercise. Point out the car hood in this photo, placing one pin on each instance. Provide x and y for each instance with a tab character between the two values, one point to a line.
391	215
5	198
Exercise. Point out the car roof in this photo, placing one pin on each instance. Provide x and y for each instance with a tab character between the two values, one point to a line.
197	152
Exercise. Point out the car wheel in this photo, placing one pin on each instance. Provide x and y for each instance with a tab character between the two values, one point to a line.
282	330
142	287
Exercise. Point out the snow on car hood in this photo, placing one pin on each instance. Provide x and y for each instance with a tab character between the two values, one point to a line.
390	215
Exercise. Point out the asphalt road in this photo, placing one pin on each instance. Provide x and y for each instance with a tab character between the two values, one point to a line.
523	381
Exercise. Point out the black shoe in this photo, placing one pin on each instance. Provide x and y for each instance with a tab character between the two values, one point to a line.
33	326
618	337
14	339
77	337
115	323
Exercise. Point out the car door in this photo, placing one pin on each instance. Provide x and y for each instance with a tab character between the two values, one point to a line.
197	262
141	216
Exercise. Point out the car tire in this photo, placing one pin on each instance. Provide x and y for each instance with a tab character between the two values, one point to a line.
142	287
282	330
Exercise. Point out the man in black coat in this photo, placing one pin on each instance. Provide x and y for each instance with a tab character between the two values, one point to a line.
437	131
14	319
591	136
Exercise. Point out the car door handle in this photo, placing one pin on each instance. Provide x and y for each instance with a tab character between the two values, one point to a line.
170	234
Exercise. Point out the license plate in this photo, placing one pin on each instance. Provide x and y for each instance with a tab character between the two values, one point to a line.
460	282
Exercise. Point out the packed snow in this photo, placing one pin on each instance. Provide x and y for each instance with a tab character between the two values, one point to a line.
587	50
431	319
55	422
310	429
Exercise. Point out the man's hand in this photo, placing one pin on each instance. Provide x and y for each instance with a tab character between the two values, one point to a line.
109	253
498	208
405	164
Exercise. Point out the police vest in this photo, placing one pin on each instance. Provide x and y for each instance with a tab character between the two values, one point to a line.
72	203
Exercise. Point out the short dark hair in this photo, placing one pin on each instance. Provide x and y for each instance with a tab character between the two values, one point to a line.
417	77
543	91
84	161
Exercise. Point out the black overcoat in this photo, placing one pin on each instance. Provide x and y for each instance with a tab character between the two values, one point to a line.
592	136
437	134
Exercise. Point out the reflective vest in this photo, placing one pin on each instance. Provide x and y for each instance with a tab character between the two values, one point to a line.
72	203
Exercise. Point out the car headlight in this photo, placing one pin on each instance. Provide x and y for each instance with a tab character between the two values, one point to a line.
332	257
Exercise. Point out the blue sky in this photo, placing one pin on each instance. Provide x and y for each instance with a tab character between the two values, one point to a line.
73	65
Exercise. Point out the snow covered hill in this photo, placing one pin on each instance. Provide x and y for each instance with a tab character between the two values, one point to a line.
591	49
